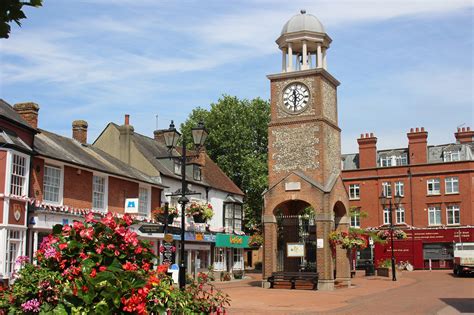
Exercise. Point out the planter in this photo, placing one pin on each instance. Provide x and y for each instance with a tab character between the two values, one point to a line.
387	272
199	219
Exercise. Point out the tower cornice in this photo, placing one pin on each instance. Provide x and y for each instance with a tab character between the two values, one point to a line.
302	73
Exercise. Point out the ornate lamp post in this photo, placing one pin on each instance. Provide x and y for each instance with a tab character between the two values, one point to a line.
171	136
386	203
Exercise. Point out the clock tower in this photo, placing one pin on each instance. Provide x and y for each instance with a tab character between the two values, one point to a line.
306	199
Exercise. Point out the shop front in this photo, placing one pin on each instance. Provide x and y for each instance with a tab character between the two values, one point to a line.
425	248
229	253
197	251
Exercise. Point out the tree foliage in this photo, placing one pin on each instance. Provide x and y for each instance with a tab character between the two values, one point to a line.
238	142
12	10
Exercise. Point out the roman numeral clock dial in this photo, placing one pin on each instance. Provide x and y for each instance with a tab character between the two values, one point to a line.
295	98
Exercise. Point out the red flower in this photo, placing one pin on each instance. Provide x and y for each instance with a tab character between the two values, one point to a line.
162	269
129	266
128	219
116	253
120	230
85	289
146	266
93	273
62	246
102	268
66	230
99	249
138	250
131	237
109	220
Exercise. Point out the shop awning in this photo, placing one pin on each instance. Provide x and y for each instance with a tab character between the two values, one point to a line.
230	240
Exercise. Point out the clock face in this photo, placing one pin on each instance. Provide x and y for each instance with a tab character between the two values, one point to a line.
295	97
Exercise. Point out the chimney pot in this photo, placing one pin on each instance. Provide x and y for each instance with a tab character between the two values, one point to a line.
417	129
79	131
29	112
127	119
468	129
366	135
422	128
361	135
371	134
459	129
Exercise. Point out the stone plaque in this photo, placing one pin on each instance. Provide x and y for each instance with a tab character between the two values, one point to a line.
292	186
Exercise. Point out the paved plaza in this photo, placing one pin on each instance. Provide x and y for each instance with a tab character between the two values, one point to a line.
418	292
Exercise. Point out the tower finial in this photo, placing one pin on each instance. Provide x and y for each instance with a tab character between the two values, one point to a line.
303	11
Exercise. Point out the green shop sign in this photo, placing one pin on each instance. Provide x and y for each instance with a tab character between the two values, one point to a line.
229	240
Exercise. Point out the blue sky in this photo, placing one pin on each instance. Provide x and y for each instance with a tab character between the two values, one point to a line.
401	63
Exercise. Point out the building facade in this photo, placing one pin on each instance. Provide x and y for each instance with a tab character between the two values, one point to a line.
206	243
436	186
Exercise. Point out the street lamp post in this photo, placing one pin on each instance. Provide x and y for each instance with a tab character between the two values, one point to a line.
171	136
386	202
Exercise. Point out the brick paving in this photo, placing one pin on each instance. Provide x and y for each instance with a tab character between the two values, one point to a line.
418	292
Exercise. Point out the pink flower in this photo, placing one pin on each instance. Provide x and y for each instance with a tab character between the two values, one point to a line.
31	306
78	225
102	268
99	249
93	273
128	219
87	233
109	220
131	237
121	231
90	217
129	266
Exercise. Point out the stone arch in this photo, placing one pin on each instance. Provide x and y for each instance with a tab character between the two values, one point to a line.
342	261
340	215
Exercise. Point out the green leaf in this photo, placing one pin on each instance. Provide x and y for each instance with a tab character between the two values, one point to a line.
115	266
102	308
57	229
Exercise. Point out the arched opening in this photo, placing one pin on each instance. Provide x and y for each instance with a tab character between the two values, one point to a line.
339	213
296	237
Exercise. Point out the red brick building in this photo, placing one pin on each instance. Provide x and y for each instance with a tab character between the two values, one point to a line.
436	183
47	179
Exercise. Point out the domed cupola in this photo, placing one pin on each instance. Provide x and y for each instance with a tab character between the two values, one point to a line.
303	42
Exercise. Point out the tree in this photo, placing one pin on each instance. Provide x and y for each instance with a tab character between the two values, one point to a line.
238	142
11	10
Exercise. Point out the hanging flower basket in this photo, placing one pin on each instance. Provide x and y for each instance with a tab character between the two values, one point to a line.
383	234
201	212
347	240
159	214
399	234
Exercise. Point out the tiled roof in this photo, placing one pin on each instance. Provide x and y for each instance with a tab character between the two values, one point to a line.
215	177
7	111
71	151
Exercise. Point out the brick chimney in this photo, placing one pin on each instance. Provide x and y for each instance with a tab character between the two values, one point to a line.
367	150
464	135
158	135
418	145
29	112
125	139
79	131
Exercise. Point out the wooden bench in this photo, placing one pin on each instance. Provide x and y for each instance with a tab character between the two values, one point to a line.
294	280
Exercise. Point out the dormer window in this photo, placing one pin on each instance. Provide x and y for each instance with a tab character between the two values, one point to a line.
393	159
177	168
196	172
451	156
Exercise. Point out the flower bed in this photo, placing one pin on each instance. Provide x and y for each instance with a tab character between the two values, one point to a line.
101	267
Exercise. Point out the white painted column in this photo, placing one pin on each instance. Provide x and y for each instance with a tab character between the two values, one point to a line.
283	59
290	58
325	66
319	56
305	57
35	242
310	59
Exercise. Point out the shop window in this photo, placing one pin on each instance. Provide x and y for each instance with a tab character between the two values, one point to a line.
453	214
98	192
452	185
14	249
219	259
18	175
238	259
400	214
433	186
387	189
52	184
434	215
354	191
399	189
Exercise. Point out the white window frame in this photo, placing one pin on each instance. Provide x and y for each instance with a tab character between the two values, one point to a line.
147	212
453	209
453	184
177	167
401	159
400	215
61	183
237	259
25	177
387	189
399	189
355	218
9	266
354	192
220	258
452	156
233	223
385	161
386	216
106	191
431	191
436	211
